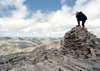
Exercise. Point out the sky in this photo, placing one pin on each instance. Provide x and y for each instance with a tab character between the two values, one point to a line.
43	18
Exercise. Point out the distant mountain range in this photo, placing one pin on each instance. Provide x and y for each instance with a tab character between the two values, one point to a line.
10	45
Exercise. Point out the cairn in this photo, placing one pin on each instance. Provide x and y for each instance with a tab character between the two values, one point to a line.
79	42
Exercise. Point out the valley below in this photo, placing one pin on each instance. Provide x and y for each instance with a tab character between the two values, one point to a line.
14	45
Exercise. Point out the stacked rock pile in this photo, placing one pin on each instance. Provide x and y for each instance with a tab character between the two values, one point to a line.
79	42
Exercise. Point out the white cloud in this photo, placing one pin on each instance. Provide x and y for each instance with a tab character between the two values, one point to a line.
39	17
95	31
51	23
62	1
81	2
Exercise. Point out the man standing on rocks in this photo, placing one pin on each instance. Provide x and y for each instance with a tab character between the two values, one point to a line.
81	17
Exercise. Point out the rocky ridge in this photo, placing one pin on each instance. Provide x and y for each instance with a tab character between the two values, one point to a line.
62	59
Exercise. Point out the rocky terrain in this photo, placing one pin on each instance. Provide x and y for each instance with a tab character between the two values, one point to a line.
78	52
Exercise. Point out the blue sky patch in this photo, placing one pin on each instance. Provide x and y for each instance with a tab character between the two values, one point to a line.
43	5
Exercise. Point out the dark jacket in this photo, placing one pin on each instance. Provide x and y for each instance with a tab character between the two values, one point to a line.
81	16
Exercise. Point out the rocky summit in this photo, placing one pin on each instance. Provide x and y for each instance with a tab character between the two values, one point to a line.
79	52
81	43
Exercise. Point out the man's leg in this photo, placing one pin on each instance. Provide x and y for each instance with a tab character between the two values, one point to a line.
78	22
83	22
